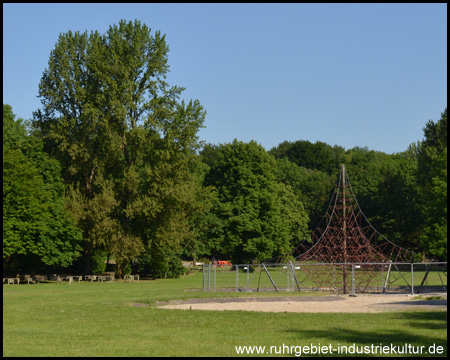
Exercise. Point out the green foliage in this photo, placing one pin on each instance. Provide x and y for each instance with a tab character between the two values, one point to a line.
395	204
164	264
312	187
36	225
14	131
261	218
126	144
98	262
431	148
206	226
317	156
432	163
403	195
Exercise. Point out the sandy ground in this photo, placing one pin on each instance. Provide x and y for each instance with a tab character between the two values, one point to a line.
315	304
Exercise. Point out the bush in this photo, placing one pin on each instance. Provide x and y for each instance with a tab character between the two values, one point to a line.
98	263
164	266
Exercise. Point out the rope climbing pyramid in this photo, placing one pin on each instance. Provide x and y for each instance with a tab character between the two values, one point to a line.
347	240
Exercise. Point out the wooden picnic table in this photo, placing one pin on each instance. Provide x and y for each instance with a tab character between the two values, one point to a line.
28	278
131	278
40	278
100	278
11	280
91	277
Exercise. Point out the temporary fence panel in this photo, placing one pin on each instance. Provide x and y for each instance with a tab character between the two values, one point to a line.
411	278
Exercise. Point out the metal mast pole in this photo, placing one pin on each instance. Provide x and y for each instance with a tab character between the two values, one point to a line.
344	228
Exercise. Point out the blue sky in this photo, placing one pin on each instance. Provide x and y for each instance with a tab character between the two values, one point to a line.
368	75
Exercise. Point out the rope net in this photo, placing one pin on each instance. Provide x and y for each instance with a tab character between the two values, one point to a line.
348	238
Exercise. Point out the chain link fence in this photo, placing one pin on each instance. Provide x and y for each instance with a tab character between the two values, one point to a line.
409	278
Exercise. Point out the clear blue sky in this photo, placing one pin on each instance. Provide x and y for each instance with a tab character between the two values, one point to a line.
345	74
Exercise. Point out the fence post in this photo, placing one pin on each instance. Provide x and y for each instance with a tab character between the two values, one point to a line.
248	276
203	277
334	277
288	278
270	277
215	268
387	276
209	271
237	278
412	278
353	281
294	276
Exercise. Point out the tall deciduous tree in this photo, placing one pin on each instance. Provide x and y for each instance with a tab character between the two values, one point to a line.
125	140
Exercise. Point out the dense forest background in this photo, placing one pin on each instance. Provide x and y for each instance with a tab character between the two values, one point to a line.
111	168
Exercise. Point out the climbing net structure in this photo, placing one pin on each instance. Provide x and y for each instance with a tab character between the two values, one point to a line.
347	240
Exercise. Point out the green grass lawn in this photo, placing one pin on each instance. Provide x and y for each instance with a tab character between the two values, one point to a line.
98	319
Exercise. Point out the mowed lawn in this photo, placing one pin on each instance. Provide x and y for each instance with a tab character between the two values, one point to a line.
104	319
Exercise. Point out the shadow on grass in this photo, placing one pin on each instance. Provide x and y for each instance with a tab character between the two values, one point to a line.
425	329
433	320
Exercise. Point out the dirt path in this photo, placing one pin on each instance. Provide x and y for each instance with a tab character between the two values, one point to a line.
314	304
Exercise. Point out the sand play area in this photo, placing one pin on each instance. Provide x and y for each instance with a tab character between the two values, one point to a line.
316	304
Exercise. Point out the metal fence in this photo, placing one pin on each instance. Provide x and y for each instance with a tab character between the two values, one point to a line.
410	278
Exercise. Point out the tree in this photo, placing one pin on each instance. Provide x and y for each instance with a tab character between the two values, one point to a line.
37	230
318	156
14	132
261	218
206	226
396	206
312	187
124	140
431	148
432	176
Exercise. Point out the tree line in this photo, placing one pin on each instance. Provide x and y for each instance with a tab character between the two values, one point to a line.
111	167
